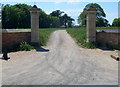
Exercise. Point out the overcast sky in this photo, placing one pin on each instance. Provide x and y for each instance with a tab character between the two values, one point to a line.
72	7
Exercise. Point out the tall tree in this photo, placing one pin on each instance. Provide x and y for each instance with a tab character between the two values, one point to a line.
67	20
100	16
57	13
64	19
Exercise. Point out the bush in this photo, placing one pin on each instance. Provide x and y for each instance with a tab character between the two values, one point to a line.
25	47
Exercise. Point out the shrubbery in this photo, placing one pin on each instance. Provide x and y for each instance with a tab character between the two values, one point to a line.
25	47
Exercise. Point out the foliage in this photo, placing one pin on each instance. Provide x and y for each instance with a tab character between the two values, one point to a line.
116	22
64	19
80	37
100	16
16	16
25	47
56	13
48	21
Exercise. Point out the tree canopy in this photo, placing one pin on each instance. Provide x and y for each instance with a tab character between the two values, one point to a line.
48	21
100	16
18	16
64	19
116	22
56	13
67	20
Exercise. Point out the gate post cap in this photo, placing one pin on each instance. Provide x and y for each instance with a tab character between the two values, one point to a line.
91	8
34	8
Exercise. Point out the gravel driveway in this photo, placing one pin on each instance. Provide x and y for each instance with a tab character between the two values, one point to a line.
62	62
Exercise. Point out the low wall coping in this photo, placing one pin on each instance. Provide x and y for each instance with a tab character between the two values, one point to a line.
109	31
14	30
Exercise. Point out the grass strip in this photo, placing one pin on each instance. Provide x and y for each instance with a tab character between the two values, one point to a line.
80	37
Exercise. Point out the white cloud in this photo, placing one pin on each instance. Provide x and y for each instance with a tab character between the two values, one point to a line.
58	1
73	12
72	1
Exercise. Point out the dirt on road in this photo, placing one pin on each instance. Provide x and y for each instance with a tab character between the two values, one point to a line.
61	62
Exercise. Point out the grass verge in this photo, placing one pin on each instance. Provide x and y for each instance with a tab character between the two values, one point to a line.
45	34
108	28
80	37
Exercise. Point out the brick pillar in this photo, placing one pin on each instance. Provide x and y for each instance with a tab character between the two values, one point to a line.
35	12
91	24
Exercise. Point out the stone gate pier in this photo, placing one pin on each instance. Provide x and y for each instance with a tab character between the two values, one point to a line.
91	24
35	12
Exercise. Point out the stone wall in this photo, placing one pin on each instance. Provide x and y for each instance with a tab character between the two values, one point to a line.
12	37
108	38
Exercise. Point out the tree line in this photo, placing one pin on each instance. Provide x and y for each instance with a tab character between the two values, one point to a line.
18	16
